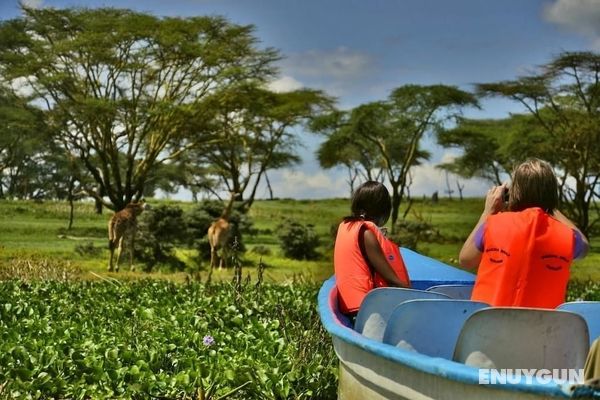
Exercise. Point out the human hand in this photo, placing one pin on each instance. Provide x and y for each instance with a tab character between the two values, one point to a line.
494	201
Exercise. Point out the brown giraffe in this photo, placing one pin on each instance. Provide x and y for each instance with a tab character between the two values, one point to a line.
218	234
121	232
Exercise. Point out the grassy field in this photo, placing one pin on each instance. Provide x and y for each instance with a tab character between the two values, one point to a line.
37	231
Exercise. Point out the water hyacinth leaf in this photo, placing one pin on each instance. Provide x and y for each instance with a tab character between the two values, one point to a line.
115	351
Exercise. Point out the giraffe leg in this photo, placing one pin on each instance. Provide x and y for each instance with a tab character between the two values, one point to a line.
212	257
221	259
131	243
112	253
119	252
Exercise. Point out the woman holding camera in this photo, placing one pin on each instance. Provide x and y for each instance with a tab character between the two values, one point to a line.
524	254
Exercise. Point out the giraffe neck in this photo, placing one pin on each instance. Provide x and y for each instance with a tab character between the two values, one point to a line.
227	211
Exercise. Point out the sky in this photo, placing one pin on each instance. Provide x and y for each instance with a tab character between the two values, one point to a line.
360	50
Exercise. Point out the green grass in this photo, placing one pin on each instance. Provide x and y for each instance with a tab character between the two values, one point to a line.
38	230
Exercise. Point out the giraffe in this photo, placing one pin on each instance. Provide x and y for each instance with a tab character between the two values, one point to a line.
218	234
121	232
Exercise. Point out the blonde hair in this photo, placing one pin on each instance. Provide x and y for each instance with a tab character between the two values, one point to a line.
533	185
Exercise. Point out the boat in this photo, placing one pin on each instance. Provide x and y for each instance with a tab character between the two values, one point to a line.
369	368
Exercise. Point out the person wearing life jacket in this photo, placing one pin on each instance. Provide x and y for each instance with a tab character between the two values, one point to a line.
364	258
525	252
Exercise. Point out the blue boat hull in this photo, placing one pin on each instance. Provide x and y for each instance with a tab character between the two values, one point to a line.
370	369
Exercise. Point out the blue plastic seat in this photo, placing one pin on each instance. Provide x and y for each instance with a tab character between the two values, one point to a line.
429	326
459	292
530	338
590	311
378	305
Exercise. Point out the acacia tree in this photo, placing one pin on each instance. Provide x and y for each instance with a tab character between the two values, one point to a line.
253	133
394	129
119	87
23	147
564	98
492	147
344	147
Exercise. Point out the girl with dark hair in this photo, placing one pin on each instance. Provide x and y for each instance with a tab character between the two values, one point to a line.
363	257
524	254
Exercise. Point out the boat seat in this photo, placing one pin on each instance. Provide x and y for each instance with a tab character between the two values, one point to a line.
460	292
502	337
378	305
590	311
429	326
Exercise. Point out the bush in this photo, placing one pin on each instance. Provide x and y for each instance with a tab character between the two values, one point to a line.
159	230
261	250
583	290
87	249
298	241
411	233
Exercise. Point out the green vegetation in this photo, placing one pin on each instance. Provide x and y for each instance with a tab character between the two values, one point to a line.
68	329
155	339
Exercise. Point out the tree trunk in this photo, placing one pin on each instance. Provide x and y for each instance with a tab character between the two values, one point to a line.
71	201
582	207
98	206
269	186
396	201
460	189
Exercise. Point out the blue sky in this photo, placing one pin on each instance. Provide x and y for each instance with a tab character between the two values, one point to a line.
359	51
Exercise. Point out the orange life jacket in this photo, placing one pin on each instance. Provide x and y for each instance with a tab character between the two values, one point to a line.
353	276
526	260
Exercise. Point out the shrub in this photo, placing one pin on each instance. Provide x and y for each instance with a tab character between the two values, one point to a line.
411	233
298	241
583	290
159	230
87	249
261	250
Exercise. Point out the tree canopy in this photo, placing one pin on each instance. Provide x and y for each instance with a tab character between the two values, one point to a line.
386	135
253	132
119	88
492	147
24	152
564	99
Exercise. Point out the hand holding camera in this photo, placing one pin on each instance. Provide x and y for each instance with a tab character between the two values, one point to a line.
495	199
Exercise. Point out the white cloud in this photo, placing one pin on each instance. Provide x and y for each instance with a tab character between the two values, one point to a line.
581	16
340	64
285	84
448	157
21	86
339	72
33	3
303	185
